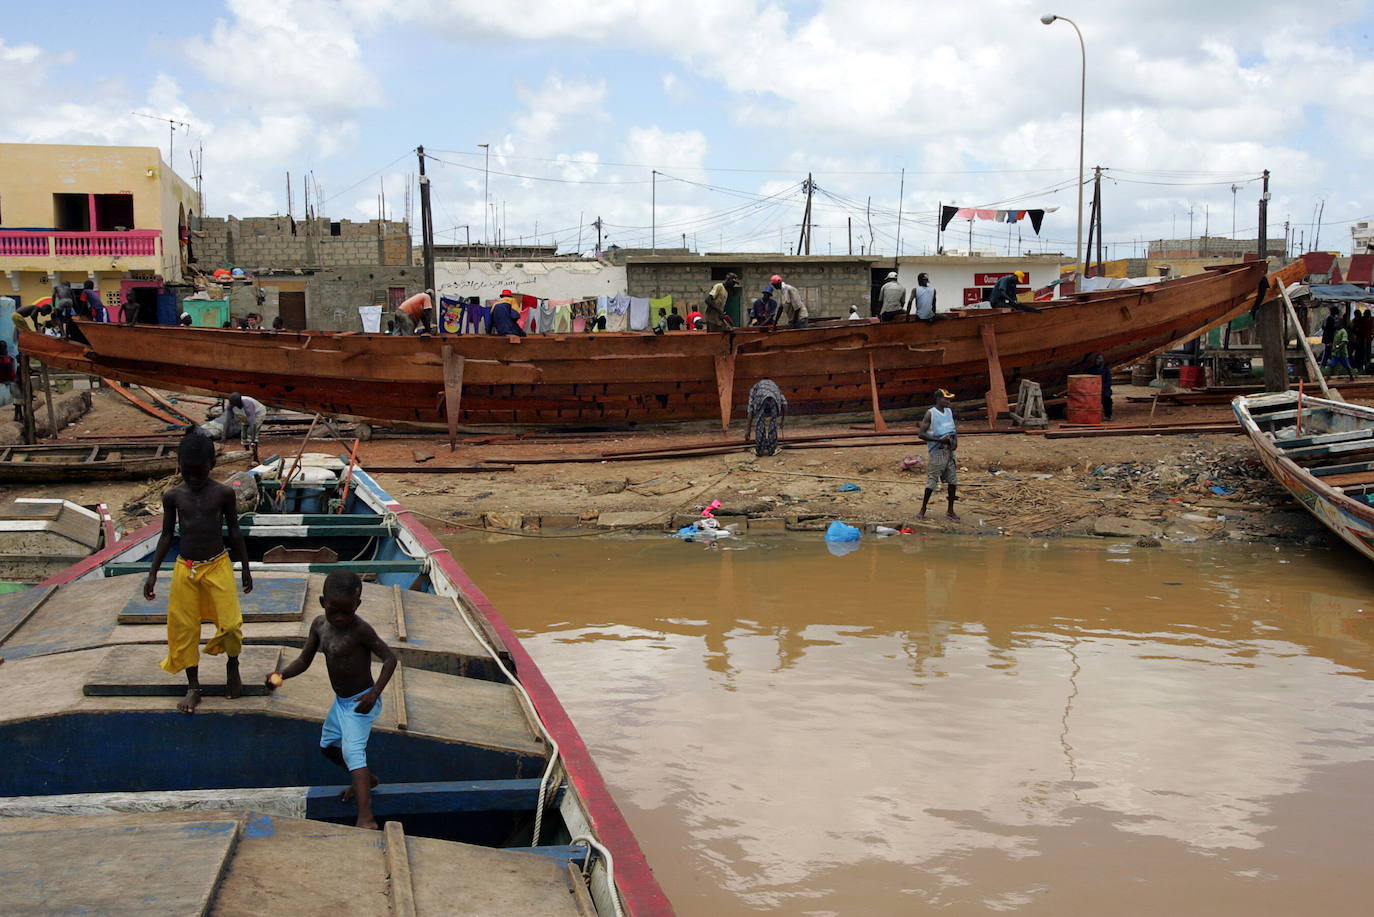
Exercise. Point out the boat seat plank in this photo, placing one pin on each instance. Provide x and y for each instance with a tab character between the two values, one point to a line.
277	599
150	870
360	567
317	530
1337	448
448	797
1349	480
1323	439
127	674
290	519
1348	468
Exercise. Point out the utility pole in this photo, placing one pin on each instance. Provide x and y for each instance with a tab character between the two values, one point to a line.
849	221
579	234
805	238
1097	196
1269	317
1317	234
900	194
426	224
486	194
653	210
289	212
597	224
1234	189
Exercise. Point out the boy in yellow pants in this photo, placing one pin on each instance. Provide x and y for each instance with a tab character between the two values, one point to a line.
203	578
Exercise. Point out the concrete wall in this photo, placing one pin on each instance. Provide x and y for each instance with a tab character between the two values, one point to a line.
829	285
332	295
259	244
548	280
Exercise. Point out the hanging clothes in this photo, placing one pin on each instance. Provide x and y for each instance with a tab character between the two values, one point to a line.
562	315
639	313
546	317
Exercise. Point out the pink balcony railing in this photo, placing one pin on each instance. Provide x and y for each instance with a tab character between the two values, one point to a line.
43	243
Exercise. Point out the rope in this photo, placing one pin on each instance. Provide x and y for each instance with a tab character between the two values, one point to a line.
553	758
610	867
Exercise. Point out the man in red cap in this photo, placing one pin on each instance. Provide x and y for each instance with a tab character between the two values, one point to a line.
791	309
504	317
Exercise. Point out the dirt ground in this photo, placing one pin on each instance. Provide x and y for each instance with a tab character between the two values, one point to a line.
1173	486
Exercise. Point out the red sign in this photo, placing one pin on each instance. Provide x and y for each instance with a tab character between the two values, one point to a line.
987	280
972	296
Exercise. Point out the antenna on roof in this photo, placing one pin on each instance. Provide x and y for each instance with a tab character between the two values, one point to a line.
172	125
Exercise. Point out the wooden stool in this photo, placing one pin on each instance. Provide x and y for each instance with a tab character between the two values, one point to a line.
1030	406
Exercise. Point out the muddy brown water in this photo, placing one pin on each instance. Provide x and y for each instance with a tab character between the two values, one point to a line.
968	726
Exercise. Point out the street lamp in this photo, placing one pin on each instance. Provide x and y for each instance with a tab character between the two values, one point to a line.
1048	19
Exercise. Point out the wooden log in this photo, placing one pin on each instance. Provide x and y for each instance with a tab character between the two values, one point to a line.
142	405
402	884
453	392
398	610
878	423
725	387
398	697
997	391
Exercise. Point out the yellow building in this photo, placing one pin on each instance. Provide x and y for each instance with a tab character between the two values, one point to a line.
115	215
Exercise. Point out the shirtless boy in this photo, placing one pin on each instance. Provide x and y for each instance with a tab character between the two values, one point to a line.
348	643
203	578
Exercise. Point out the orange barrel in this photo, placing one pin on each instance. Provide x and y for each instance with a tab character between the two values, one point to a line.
1190	377
1085	399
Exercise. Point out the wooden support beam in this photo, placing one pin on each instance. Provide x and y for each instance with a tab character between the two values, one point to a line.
398	698
997	391
725	387
453	392
1312	366
436	798
398	870
398	609
47	396
878	423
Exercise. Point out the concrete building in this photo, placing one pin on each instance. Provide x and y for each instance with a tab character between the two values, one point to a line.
963	281
1362	237
1212	247
116	215
259	244
828	283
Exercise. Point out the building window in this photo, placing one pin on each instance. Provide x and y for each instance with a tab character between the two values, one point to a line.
335	229
114	212
71	212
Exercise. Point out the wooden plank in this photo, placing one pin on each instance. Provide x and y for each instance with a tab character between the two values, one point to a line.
360	567
446	797
41	596
402	888
453	392
1349	480
273	599
1323	439
997	391
398	697
437	469
398	609
142	405
1348	468
1336	448
878	423
582	897
725	387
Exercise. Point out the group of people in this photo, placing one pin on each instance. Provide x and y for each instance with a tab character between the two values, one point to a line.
786	308
1347	339
894	302
205	514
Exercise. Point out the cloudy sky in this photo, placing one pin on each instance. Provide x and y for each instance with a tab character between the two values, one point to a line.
732	103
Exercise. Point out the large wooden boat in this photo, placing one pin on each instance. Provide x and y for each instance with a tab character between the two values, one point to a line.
1322	452
830	367
111	802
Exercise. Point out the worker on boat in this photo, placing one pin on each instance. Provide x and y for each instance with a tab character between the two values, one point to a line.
675	322
922	301
413	315
248	414
854	315
1004	293
763	312
185	319
696	321
505	319
891	299
938	430
716	301
792	309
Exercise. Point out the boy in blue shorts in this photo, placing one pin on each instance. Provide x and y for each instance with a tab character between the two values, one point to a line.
348	643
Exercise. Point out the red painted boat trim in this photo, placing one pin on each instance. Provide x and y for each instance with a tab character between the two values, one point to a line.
634	877
102	557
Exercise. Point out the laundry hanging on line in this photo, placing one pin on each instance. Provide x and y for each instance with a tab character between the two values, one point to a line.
1036	216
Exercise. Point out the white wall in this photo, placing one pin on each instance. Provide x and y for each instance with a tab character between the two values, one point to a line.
545	279
951	275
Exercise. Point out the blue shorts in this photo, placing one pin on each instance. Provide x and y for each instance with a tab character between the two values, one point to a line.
349	730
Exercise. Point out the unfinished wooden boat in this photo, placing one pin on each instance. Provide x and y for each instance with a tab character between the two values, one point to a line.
1322	452
40	537
117	804
52	463
831	367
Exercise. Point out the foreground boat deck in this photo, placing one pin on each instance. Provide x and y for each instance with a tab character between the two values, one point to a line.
252	864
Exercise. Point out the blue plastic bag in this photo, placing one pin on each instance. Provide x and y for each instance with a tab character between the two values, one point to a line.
838	531
848	487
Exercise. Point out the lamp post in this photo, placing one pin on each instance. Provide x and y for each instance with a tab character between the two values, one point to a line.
1048	19
486	189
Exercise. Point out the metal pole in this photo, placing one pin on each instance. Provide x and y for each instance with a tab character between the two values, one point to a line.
486	191
426	224
653	211
1047	19
900	194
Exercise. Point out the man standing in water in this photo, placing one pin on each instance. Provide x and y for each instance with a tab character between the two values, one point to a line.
937	429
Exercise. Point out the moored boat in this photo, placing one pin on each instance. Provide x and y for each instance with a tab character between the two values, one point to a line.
1322	452
50	463
492	802
831	367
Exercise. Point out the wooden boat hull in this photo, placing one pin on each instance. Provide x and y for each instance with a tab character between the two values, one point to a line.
455	735
47	464
646	378
1335	500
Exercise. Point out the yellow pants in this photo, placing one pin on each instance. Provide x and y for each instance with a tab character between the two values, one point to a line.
202	591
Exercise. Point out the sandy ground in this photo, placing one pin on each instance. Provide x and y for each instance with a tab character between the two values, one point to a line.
1180	486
